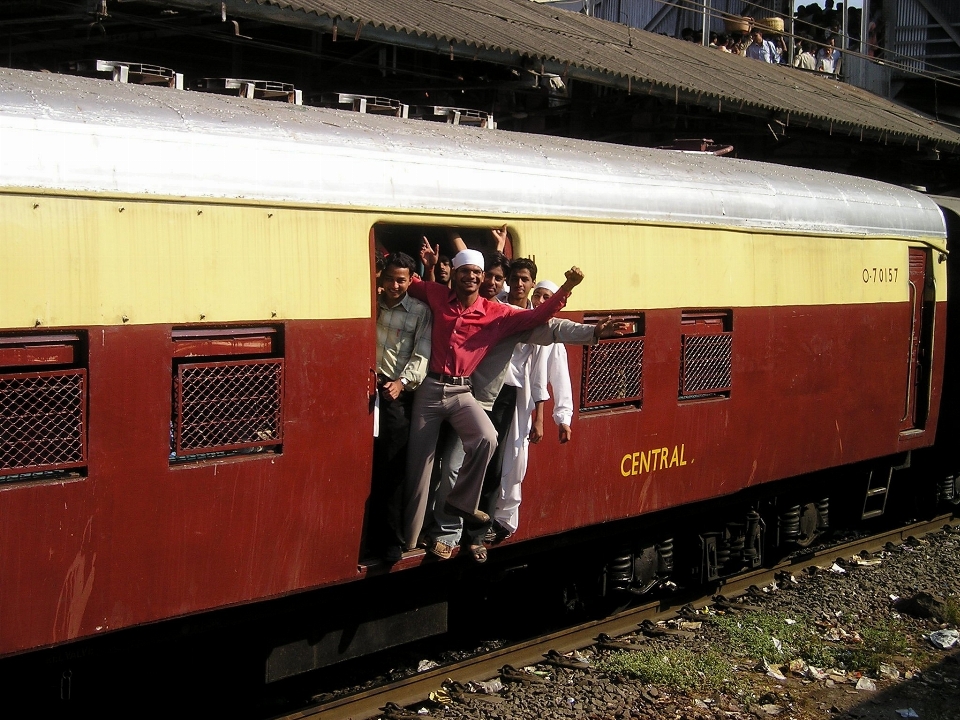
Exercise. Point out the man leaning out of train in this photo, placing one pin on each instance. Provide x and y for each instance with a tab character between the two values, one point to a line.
499	401
465	327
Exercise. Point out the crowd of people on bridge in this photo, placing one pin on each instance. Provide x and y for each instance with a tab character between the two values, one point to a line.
818	39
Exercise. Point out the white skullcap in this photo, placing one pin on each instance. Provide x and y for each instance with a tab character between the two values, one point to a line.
468	257
547	285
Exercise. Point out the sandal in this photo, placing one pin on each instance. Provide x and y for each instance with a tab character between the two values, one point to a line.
440	549
496	534
478	553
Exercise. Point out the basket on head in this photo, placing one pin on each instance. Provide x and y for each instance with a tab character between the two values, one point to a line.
736	24
774	24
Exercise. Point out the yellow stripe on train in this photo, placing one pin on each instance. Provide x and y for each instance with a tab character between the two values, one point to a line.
67	260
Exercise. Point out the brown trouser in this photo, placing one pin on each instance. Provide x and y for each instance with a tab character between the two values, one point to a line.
433	403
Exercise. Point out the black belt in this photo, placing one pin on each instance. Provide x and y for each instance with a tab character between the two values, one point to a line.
449	379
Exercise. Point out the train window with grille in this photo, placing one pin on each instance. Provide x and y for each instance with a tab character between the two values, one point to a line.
227	393
706	351
613	368
43	406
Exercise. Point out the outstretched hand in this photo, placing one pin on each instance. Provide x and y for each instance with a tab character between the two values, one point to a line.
429	254
608	327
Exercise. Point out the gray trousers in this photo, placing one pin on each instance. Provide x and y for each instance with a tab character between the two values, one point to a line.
433	403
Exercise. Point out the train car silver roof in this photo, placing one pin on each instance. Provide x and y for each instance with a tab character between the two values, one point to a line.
76	134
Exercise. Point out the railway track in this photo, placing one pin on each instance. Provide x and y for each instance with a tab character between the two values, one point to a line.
415	688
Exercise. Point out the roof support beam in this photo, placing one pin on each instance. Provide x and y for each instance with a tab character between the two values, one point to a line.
658	18
940	19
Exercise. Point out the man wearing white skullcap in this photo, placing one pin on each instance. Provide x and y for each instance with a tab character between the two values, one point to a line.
444	531
465	327
468	257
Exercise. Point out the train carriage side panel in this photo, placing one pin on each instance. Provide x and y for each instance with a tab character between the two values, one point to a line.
821	332
138	538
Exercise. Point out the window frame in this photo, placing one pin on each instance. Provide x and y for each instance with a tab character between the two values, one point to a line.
590	353
202	351
41	359
705	323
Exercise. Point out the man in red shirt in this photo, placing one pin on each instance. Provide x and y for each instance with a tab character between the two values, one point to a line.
465	327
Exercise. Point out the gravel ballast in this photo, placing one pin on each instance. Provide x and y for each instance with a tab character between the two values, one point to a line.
846	639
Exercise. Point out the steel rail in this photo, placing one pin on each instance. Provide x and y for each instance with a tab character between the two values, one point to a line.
410	690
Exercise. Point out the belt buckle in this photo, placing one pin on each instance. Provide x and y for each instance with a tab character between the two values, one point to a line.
451	379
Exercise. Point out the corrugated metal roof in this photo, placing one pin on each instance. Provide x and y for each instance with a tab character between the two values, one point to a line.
609	53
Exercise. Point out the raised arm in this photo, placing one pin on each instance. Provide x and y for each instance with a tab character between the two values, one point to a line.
519	320
500	236
457	241
429	256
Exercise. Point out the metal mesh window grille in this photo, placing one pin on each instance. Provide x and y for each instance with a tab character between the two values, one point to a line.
223	406
705	368
613	373
43	421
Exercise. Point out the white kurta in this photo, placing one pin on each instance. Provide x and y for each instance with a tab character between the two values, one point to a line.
532	369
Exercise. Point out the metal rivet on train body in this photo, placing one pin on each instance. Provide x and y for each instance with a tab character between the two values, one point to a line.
269	215
124	318
273	313
38	323
199	212
202	316
121	209
36	205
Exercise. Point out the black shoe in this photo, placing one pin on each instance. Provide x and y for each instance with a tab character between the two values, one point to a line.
393	554
472	520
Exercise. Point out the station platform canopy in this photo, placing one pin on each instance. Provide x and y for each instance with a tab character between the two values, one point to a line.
542	39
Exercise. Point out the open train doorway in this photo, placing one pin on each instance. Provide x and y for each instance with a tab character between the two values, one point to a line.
403	329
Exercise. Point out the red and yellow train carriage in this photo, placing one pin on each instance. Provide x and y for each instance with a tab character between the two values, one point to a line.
187	340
